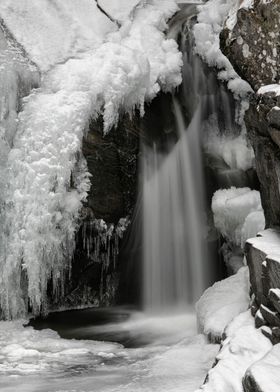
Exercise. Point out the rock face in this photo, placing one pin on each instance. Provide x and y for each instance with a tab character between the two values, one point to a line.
253	49
263	129
253	45
112	162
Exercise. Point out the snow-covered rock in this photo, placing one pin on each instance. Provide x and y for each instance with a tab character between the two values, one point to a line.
263	375
221	303
244	345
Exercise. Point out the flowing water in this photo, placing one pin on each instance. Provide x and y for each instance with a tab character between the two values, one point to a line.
175	255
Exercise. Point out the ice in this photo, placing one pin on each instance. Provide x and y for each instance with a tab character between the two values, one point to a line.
243	346
47	179
235	150
238	213
222	302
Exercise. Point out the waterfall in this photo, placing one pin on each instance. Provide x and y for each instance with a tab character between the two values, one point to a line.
176	262
175	256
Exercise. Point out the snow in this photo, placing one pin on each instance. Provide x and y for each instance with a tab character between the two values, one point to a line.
232	17
267	242
270	88
238	214
53	31
120	9
266	371
222	302
47	179
243	346
211	19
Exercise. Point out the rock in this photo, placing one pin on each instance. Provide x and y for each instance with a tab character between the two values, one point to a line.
259	320
112	161
267	332
274	297
273	270
271	317
249	383
255	256
273	117
265	140
253	45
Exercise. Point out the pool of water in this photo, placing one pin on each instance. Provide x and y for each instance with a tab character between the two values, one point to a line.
104	351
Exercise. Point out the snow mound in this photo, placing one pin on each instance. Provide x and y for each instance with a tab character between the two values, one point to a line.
243	346
222	302
238	214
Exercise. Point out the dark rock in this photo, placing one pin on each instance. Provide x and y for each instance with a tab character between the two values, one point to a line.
253	45
112	163
267	332
270	316
273	117
255	257
249	383
273	271
265	141
259	320
274	298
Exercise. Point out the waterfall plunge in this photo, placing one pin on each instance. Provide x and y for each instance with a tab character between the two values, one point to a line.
175	255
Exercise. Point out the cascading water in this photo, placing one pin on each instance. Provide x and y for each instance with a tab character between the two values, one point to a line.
174	246
176	261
